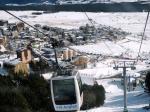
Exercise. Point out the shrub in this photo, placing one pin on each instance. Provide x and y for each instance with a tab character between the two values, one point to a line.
12	101
147	81
36	91
24	94
6	81
89	100
93	96
100	94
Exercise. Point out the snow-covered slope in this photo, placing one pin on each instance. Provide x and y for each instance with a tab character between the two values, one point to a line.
130	22
136	100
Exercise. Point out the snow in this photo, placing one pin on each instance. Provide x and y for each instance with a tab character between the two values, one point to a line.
99	72
133	74
101	48
128	48
114	98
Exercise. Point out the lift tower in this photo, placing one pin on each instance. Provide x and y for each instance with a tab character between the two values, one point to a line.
124	65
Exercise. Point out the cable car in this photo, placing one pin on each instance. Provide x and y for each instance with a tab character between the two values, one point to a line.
66	92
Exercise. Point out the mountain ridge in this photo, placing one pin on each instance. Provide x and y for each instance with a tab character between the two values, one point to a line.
5	2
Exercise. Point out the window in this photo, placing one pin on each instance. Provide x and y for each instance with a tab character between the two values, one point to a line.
64	91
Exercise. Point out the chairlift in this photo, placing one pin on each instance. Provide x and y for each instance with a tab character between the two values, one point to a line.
66	92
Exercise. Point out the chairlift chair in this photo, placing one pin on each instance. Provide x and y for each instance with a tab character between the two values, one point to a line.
66	92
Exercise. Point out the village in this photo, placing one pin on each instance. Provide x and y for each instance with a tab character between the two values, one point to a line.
16	37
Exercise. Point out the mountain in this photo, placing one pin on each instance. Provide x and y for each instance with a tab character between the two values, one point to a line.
75	5
26	1
2	2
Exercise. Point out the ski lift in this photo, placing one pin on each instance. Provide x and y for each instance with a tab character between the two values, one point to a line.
66	92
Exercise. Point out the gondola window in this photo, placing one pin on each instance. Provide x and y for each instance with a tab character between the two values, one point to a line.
64	91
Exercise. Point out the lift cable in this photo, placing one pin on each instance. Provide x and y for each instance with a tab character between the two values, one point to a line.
36	30
108	47
25	22
90	20
143	34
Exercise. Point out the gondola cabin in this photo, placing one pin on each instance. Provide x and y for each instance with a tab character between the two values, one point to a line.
66	93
